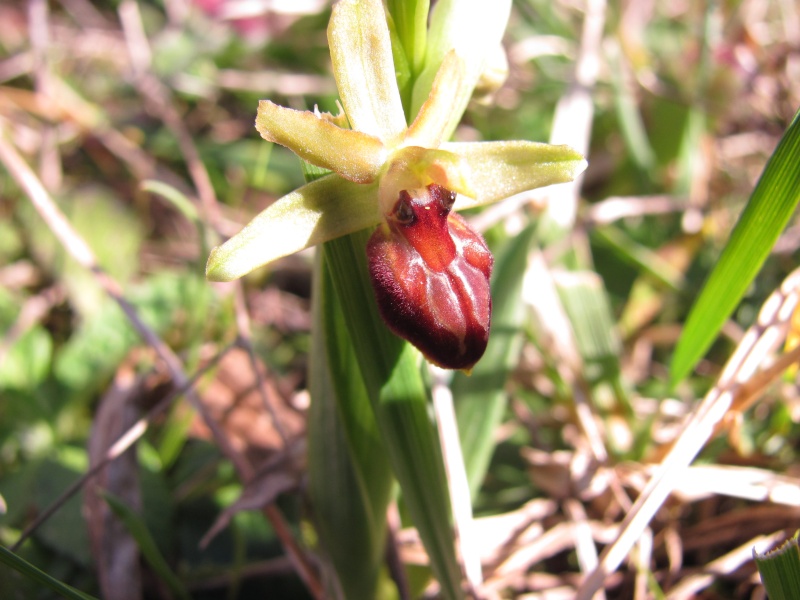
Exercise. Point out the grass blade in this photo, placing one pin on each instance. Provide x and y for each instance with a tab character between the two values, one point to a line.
22	566
780	570
147	545
771	205
586	303
480	399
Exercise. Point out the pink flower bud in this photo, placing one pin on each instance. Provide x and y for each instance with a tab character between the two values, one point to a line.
430	273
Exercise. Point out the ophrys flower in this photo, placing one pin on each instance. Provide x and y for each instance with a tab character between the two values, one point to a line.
383	168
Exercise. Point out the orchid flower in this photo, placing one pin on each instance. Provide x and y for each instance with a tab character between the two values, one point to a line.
429	269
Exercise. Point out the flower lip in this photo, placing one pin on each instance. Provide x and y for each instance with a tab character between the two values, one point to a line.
430	275
420	220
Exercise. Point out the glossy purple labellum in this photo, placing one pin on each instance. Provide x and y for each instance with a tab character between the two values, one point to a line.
430	273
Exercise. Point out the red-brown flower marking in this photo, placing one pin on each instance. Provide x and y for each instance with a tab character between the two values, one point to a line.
430	273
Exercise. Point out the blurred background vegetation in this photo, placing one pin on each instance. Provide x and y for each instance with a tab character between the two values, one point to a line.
137	118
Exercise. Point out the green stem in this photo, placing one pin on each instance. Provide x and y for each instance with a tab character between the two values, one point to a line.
399	397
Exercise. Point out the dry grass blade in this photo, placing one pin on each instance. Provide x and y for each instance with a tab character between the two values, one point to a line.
759	342
692	585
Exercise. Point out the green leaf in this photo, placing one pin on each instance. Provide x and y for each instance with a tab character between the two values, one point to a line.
645	259
770	206
147	545
391	371
480	398
586	303
182	204
27	361
780	570
35	574
350	481
628	113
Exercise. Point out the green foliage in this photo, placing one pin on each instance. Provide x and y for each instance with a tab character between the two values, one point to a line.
25	568
685	114
770	207
147	546
780	570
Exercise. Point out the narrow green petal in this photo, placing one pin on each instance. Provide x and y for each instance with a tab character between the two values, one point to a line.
474	29
430	126
361	52
317	212
496	170
352	154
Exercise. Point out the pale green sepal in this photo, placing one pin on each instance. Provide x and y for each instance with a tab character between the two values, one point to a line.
354	155
473	29
361	52
496	170
317	212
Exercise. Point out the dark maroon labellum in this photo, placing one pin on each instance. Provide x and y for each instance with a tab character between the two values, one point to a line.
430	273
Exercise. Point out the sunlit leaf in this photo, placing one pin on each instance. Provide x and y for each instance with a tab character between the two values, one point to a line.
770	207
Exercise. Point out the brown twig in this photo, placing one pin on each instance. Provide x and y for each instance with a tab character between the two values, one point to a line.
302	564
